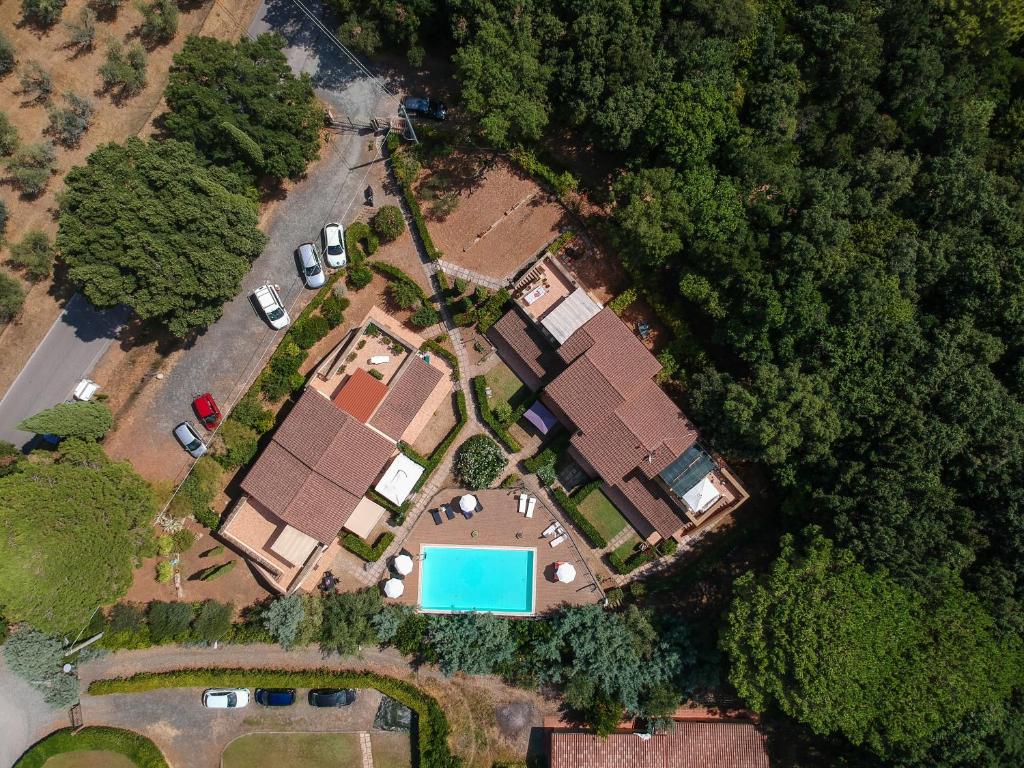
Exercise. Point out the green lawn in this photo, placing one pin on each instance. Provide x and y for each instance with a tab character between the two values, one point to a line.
391	750
310	750
91	758
627	548
506	386
600	511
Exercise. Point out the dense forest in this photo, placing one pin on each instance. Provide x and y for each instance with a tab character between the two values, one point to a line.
825	199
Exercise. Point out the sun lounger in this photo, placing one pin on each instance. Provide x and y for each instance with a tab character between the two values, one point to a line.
437	516
550	529
559	540
523	498
532	505
467	515
448	512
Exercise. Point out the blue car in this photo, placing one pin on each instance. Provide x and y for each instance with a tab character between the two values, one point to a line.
275	697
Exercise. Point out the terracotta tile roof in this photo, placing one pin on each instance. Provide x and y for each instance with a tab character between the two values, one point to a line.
651	501
717	744
522	338
415	383
360	395
583	393
317	466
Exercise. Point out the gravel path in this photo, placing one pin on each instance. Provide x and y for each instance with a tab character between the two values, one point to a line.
24	717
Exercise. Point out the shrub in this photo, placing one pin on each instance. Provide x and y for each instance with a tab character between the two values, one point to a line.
8	135
214	552
3	220
480	391
106	7
7	55
424	317
138	749
208	517
159	20
216	571
164	545
37	658
43	13
183	540
392	145
36	81
460	286
479	461
282	374
488	313
569	504
82	33
86	421
620	303
238	444
124	71
404	293
11	298
249	413
198	490
309	330
169	622
31	166
213	620
372	554
543	463
631	563
282	619
376	374
561	241
388	223
406	167
69	123
359	276
34	254
164	572
332	311
562	183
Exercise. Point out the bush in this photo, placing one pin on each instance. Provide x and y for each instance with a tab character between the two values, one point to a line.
424	317
372	554
213	620
106	7
69	123
43	13
620	303
561	241
308	331
164	572
479	461
360	242
3	220
282	376
480	391
209	518
282	619
376	374
164	545
568	503
124	71
198	490
34	254
7	55
238	444
82	33
36	81
37	658
31	166
631	563
139	750
8	135
562	183
405	294
183	540
11	298
543	463
249	413
388	223
392	145
216	571
169	622
214	552
332	311
159	20
488	313
86	421
358	277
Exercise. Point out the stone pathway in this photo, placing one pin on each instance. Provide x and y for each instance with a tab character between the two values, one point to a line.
366	749
454	270
618	540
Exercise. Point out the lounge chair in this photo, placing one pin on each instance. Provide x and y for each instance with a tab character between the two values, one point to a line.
549	530
532	505
437	516
467	515
523	498
555	542
448	511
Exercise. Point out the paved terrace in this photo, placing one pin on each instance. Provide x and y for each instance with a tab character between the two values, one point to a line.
497	525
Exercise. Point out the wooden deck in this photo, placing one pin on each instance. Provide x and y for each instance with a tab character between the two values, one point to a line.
497	525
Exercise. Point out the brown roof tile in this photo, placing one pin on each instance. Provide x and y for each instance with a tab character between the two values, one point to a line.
320	508
360	395
719	744
583	394
355	457
415	383
275	479
525	341
310	427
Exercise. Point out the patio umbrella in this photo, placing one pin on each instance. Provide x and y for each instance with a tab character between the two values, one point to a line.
565	572
394	588
467	503
403	564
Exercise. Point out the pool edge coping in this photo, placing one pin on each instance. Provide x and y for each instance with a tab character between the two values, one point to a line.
532	613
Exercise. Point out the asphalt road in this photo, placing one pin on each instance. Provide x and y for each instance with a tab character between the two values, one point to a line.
75	341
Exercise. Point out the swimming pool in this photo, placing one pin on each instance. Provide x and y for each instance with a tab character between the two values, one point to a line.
491	579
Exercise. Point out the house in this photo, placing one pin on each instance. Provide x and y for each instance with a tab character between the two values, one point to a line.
339	440
597	378
690	744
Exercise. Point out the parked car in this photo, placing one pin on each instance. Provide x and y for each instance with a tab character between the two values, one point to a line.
273	308
332	238
331	697
275	697
226	698
189	439
85	389
207	411
421	105
309	263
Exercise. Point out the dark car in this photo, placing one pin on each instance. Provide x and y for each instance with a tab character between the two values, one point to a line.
331	697
275	697
421	105
207	411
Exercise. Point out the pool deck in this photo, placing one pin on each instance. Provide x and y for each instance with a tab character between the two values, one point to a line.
497	526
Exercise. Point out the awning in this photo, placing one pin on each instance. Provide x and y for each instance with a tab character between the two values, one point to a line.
399	479
541	417
570	314
292	545
702	495
364	518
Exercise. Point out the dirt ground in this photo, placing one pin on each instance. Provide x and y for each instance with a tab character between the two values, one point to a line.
74	71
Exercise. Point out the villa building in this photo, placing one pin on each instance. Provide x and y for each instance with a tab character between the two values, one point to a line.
596	378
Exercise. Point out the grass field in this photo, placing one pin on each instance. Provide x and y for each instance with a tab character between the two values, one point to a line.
506	386
391	750
599	510
627	548
93	758
310	750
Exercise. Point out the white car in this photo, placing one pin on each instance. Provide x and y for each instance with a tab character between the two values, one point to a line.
309	263
273	308
190	439
226	698
332	240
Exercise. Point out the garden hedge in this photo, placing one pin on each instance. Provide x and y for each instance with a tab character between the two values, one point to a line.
392	272
569	505
392	146
431	726
499	429
137	748
358	546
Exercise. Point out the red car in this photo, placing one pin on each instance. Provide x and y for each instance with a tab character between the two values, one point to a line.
207	411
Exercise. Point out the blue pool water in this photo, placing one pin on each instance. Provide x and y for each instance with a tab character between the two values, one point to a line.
494	579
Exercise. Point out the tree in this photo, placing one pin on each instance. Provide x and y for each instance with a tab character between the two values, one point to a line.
212	622
7	55
69	123
38	658
388	223
424	317
404	293
348	621
474	643
479	461
86	421
159	20
8	135
43	13
11	298
34	254
71	528
169	622
148	225
850	652
31	166
123	72
82	33
248	85
36	81
282	619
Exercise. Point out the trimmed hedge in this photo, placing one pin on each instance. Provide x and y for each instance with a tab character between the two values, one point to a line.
431	726
216	571
559	182
663	548
480	390
394	273
431	345
561	241
569	505
135	747
358	546
418	220
620	303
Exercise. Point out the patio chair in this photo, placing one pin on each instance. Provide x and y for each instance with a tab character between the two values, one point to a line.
448	511
523	498
437	516
532	505
467	515
550	529
555	542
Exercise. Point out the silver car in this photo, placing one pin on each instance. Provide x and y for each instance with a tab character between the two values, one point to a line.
332	241
309	263
189	439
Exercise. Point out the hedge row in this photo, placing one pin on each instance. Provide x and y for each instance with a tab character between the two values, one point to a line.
432	345
392	146
620	303
499	429
137	748
394	273
569	505
561	183
623	566
355	544
561	241
431	731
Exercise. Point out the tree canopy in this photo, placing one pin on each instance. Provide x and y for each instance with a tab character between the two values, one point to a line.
88	421
148	224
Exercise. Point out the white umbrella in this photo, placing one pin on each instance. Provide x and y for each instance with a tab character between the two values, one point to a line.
394	588
467	503
565	572
403	564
